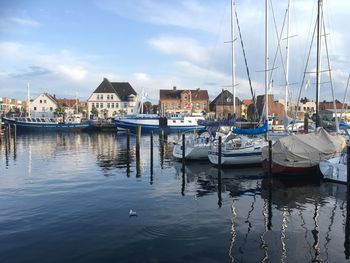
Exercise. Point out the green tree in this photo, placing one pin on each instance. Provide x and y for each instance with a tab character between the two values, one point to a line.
59	110
147	107
94	111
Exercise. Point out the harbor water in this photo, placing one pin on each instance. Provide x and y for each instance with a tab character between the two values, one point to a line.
67	197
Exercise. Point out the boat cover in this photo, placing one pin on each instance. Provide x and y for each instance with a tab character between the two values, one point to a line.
305	150
260	130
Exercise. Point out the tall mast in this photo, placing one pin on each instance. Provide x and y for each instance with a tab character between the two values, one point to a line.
76	102
28	100
233	58
287	61
318	64
266	61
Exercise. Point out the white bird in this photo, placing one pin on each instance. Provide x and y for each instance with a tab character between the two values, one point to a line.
132	213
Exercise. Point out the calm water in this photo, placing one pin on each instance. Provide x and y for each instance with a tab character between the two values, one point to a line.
66	198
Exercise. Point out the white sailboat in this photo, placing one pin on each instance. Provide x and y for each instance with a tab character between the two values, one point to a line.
239	148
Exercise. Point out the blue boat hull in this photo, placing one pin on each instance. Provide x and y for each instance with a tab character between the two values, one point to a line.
48	127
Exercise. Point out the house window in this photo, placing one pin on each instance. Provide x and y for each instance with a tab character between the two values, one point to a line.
34	108
112	105
44	101
43	108
108	97
185	98
108	105
93	105
41	101
111	97
179	106
98	97
198	106
101	97
125	104
51	109
101	105
96	105
117	105
204	106
132	110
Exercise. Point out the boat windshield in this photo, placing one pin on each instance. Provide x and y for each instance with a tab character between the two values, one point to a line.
43	120
37	120
29	120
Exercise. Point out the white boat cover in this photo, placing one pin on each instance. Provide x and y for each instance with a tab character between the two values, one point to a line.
305	150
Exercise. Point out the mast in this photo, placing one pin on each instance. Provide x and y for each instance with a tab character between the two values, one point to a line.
28	100
318	63
287	61
266	62
233	75
76	103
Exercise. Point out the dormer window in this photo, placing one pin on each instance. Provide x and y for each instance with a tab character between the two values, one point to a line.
111	97
101	96
108	97
98	96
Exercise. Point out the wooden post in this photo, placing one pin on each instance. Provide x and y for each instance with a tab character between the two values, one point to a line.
128	153
306	123
138	138
151	152
348	168
270	158
183	147
14	133
219	173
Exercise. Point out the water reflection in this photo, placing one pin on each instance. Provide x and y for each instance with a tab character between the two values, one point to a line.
259	219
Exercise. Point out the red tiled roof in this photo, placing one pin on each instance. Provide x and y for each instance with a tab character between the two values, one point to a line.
176	94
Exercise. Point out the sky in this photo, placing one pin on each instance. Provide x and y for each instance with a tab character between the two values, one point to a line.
67	47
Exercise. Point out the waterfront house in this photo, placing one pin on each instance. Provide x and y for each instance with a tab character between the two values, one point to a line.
10	105
222	105
276	109
111	99
185	102
43	105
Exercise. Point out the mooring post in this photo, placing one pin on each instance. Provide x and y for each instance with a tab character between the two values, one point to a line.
128	153
151	152
219	159
306	123
347	225
138	138
128	140
183	147
14	133
270	158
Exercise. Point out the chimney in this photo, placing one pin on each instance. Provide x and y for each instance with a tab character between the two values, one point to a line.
174	88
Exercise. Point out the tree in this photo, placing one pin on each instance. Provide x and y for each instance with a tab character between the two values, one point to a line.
59	110
94	111
147	107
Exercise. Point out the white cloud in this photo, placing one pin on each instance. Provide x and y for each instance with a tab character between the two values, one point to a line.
184	47
74	72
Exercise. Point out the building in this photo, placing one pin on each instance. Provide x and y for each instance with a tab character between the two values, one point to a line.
276	109
112	98
69	106
222	105
43	105
10	105
244	107
176	101
327	105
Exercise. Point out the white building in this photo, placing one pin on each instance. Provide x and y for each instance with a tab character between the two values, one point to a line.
43	106
112	98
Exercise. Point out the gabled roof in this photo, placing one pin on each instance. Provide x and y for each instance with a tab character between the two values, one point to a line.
122	89
67	102
247	101
225	98
174	94
53	99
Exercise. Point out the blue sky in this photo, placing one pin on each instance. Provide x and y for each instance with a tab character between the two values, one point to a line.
67	47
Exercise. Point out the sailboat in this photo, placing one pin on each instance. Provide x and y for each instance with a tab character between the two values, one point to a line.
302	153
238	148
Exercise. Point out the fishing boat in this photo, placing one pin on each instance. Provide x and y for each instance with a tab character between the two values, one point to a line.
47	124
155	123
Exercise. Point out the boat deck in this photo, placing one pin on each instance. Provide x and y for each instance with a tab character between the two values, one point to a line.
336	179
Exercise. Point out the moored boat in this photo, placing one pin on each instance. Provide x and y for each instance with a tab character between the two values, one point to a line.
152	122
46	124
